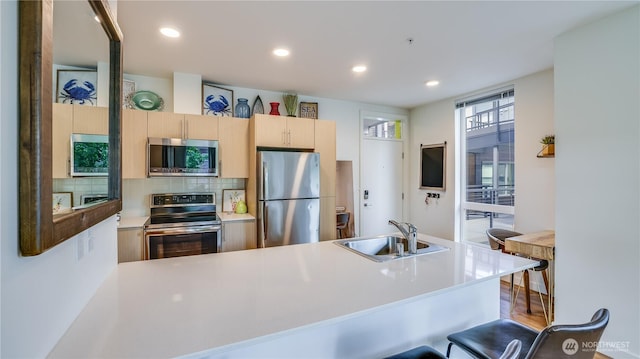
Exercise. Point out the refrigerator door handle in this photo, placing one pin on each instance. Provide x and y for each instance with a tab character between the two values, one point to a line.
264	184
265	225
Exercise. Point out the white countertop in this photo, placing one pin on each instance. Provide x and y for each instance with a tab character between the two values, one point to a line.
207	303
227	217
132	222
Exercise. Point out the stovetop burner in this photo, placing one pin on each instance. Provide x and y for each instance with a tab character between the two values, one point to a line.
183	209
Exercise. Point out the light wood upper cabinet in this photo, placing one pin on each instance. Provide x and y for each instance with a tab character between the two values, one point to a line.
325	141
200	127
301	132
90	119
134	144
270	130
68	119
176	125
282	131
62	127
234	147
165	125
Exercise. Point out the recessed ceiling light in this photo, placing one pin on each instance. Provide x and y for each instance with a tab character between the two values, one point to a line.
96	18
281	52
169	32
432	83
359	68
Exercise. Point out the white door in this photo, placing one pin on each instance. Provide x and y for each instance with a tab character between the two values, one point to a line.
380	186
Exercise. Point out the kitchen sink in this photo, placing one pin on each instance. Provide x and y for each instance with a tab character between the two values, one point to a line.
384	248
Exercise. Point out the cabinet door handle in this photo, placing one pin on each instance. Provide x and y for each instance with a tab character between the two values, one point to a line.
289	143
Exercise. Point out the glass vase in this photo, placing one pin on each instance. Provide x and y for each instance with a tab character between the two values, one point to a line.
274	108
242	108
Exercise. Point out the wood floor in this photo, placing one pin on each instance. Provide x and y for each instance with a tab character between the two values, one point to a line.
534	320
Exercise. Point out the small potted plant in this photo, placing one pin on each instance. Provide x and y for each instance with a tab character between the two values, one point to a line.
290	104
548	142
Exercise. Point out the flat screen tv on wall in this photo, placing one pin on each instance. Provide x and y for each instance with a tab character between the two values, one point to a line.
433	159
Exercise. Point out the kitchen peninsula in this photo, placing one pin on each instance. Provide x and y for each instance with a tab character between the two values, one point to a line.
307	300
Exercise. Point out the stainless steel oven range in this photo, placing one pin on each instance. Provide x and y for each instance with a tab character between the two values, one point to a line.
182	224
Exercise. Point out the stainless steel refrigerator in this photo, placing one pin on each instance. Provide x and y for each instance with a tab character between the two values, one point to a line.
288	198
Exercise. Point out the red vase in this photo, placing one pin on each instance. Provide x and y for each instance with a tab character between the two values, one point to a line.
274	108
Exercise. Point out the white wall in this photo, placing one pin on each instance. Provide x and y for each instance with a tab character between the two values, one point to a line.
535	177
430	124
535	188
597	87
40	295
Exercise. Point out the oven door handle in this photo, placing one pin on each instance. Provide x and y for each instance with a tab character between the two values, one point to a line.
182	230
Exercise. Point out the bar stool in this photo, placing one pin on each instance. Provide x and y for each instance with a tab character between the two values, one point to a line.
497	237
486	341
512	351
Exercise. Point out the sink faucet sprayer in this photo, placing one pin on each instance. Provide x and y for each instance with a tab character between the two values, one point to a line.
410	235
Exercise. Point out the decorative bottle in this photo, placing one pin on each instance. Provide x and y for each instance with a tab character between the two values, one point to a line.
274	108
242	108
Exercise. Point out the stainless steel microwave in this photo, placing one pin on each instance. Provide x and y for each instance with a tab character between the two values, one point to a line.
179	157
89	155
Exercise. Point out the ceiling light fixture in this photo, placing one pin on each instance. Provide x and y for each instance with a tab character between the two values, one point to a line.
96	18
169	32
281	52
359	68
432	83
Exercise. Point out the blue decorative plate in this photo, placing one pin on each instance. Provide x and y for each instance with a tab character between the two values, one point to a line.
147	100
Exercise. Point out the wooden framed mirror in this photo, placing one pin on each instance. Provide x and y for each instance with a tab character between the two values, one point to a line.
40	230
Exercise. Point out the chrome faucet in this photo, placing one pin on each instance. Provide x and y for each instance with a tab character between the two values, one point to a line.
410	234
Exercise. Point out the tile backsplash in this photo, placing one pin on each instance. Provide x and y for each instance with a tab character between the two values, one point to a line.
135	192
81	186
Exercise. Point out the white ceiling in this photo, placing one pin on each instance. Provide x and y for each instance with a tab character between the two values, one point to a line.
466	45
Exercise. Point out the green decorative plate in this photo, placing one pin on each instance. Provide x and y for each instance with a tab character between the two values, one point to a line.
147	100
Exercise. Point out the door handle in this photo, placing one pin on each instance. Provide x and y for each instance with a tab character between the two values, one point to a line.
265	226
368	205
264	184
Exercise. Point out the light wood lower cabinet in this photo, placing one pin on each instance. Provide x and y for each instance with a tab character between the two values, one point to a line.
130	245
238	235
